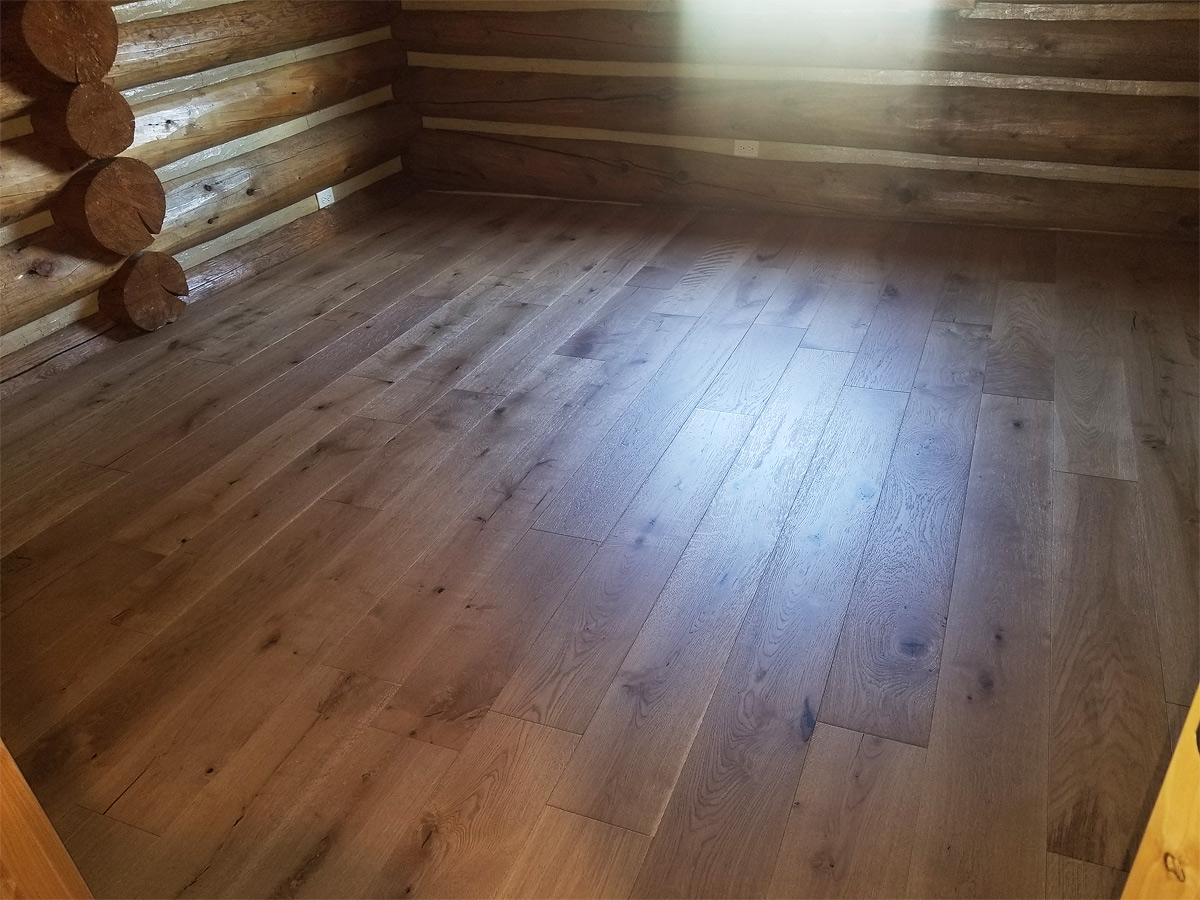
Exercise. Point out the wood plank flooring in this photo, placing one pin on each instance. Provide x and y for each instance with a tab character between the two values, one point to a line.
508	547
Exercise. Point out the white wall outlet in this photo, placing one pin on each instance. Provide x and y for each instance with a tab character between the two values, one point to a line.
745	148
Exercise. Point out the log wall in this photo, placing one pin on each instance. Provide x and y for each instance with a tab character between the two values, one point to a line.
252	113
1051	114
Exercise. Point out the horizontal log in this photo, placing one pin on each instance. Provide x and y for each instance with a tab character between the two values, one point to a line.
300	236
175	126
75	343
178	125
598	170
167	46
1093	129
229	194
788	36
34	172
47	270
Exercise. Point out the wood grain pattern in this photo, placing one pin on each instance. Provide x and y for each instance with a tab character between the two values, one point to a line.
1095	129
846	835
885	672
897	41
723	826
444	697
1074	879
635	173
1108	726
574	858
36	864
560	681
979	794
162	47
466	839
1093	433
1020	359
657	699
193	652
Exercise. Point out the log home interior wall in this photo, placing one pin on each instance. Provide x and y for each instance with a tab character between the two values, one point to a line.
253	114
1076	116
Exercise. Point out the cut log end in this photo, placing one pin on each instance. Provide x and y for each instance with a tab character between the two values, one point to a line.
73	40
115	204
145	292
92	119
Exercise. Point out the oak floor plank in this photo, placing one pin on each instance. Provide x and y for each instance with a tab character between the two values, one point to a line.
848	833
748	378
1074	879
980	795
720	272
1093	432
570	857
414	451
814	268
155	600
78	440
94	754
1020	361
500	371
678	683
443	325
725	820
886	667
1161	378
844	316
893	344
466	838
630	756
563	677
170	523
597	495
57	648
32	513
968	290
124	861
1108	728
398	630
446	695
292	840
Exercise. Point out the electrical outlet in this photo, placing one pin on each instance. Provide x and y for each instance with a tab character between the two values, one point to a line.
745	148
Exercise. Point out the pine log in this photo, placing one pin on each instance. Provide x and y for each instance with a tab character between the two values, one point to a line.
73	40
177	125
81	340
114	204
799	35
1053	126
197	40
600	170
215	200
145	292
92	119
49	269
34	172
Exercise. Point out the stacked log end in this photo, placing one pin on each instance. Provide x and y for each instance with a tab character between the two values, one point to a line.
115	205
91	118
73	40
145	292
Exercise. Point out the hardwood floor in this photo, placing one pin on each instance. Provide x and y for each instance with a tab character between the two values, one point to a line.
506	547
